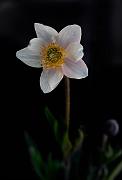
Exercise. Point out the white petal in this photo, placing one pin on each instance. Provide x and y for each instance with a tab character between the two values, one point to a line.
75	51
29	57
49	79
69	34
76	70
48	34
35	45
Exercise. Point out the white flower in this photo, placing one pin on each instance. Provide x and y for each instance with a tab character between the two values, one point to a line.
58	54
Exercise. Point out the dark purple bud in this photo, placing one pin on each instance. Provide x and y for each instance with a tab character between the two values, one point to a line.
112	127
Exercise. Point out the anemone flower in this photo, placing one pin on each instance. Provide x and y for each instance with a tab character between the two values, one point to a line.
59	54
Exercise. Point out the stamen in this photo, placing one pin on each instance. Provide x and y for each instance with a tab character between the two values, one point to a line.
52	56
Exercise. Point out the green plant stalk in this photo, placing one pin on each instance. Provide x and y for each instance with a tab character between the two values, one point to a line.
116	171
67	95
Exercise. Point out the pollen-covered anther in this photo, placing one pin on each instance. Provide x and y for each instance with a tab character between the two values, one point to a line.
52	56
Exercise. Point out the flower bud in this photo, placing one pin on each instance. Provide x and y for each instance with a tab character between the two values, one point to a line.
112	127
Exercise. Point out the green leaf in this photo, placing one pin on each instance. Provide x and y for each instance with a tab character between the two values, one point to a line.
52	167
66	145
91	172
60	133
109	152
116	171
53	122
112	154
116	155
78	141
36	158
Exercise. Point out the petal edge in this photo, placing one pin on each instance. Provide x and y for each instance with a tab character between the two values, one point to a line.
50	79
29	57
69	34
76	70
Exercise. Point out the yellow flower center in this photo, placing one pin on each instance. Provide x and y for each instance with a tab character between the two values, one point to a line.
52	56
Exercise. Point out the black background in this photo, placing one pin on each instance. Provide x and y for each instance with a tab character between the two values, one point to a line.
94	99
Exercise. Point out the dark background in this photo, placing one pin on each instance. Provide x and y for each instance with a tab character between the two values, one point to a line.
94	99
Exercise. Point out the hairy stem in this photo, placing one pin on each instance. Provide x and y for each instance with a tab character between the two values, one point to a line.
67	94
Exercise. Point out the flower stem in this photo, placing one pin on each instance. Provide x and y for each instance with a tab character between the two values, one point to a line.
67	94
104	142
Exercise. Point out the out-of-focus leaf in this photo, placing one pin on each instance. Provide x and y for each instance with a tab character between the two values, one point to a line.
112	154
60	133
78	141
66	144
116	171
76	150
115	156
53	122
91	173
36	158
53	167
109	152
